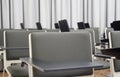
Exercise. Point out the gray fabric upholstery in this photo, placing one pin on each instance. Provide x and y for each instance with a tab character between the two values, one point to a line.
97	39
92	38
105	64
115	40
58	47
16	38
18	71
1	37
107	31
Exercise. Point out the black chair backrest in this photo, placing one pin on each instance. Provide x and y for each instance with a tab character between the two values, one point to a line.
39	27
81	25
56	25
22	26
87	25
115	25
64	26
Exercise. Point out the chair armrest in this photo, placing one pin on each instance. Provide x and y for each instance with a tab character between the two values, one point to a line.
15	48
103	56
57	66
112	52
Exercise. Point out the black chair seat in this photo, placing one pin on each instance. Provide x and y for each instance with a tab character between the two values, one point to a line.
18	71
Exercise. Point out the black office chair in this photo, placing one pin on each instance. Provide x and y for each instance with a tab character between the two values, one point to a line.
87	25
22	26
115	25
39	27
63	24
81	25
56	26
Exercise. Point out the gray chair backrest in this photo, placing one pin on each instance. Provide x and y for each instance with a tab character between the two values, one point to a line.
92	33
58	47
97	35
107	30
114	37
1	37
92	38
17	38
114	40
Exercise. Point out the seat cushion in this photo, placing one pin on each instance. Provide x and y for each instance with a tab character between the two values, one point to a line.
63	73
105	64
18	71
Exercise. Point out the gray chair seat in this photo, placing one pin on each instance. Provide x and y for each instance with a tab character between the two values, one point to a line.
18	71
105	64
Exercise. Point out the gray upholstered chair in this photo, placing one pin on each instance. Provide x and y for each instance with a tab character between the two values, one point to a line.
60	54
16	46
114	40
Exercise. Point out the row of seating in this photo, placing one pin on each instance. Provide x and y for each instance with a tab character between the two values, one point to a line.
49	47
16	46
62	25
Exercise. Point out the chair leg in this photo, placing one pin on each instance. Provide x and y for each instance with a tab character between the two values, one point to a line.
3	72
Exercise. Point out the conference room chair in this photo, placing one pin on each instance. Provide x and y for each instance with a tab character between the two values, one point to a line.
22	26
56	26
66	57
39	26
113	51
81	25
64	27
15	47
87	25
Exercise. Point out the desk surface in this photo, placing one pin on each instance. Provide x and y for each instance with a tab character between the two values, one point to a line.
112	52
54	66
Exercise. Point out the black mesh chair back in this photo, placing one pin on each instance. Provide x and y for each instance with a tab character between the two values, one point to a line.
64	26
56	26
81	25
22	26
116	25
39	27
87	25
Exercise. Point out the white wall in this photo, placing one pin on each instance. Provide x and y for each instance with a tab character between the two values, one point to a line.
97	13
